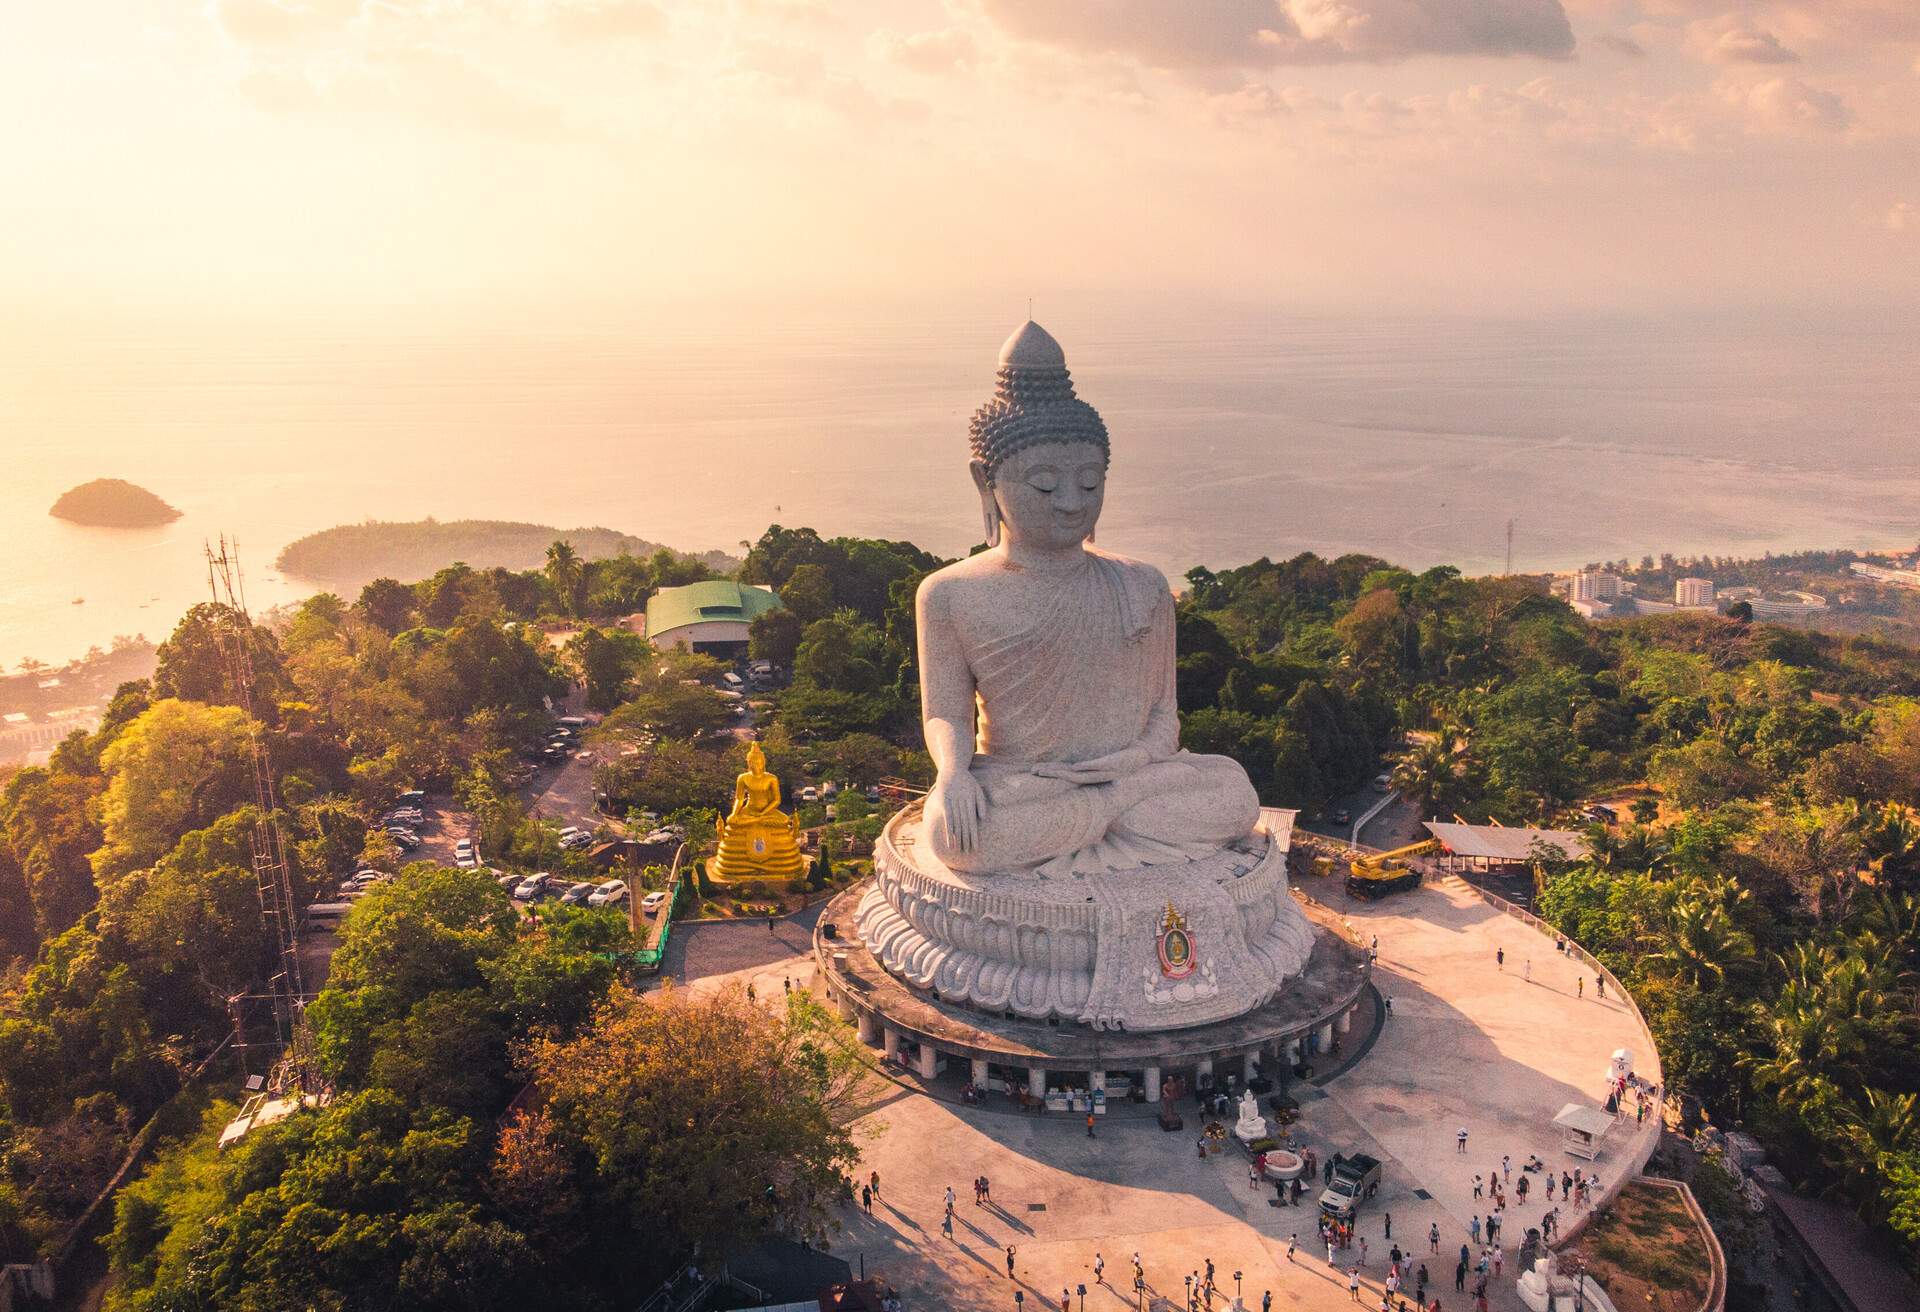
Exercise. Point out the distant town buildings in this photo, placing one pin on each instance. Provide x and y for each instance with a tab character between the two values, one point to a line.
1899	578
1693	592
1595	585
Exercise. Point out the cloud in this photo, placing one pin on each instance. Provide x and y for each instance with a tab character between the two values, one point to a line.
279	22
1620	45
1731	39
947	50
1264	33
596	20
1786	104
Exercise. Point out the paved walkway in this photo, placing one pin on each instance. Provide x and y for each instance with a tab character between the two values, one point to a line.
1467	1044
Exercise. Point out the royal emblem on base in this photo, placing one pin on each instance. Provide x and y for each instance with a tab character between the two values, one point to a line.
1177	957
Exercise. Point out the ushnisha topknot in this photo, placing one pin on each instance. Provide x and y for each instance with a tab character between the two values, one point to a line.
1034	403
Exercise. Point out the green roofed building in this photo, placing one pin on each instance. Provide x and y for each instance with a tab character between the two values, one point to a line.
710	618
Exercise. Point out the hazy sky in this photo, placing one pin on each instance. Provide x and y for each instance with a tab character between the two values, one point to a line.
1502	155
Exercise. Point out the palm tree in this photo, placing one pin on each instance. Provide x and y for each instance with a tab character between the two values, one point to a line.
566	571
1832	1010
1882	1127
1700	941
1425	770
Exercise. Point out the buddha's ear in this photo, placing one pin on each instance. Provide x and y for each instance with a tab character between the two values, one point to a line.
989	508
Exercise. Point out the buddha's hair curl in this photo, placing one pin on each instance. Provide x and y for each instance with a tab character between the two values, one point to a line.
1032	407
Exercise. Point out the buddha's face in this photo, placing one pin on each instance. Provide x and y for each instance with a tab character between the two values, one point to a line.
1050	496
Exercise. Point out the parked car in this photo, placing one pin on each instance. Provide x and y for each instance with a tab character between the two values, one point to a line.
809	794
608	893
1605	815
1341	816
406	838
733	681
572	721
509	882
1383	783
1356	1178
463	848
652	902
412	795
531	887
576	895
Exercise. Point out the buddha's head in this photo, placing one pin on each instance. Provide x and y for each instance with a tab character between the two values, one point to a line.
1039	452
756	759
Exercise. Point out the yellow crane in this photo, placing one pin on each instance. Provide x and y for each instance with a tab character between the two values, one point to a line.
1387	872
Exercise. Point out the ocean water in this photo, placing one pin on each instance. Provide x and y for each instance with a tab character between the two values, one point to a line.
1237	434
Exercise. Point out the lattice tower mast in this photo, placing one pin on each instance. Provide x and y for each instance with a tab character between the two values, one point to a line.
273	877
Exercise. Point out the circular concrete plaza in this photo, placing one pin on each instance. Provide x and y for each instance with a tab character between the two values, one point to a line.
1464	1043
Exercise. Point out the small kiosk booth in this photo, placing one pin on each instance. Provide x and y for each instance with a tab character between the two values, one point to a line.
1583	1129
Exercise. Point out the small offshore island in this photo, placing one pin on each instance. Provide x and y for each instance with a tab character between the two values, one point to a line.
113	503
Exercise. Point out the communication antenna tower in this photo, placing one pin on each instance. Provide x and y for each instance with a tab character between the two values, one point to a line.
1509	546
273	880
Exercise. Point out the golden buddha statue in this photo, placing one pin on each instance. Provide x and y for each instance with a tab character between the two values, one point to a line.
757	839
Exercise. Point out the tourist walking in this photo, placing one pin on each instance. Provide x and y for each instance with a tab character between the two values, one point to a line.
1090	1125
1477	1192
1388	1217
1009	1261
1499	955
866	1198
1099	1268
1353	1283
873	1179
1527	970
976	1194
1433	1238
1363	1252
1461	1140
1460	1276
1499	1256
986	1188
946	1222
1580	986
769	926
1600	986
1292	1240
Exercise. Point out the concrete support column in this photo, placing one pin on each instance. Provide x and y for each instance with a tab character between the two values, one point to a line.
869	1028
1326	1037
928	1056
1096	1081
1037	1082
1343	1022
980	1072
1293	1053
890	1041
844	1005
1202	1069
1152	1081
1247	1071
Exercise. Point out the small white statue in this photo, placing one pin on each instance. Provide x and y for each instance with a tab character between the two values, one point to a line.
1252	1124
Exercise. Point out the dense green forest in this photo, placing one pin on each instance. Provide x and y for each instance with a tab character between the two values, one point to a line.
1760	900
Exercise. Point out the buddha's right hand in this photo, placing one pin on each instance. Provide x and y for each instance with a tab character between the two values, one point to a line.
958	804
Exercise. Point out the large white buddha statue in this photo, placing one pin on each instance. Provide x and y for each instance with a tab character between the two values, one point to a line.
1071	861
1046	665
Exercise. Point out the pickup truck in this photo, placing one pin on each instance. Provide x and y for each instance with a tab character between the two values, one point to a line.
1356	1178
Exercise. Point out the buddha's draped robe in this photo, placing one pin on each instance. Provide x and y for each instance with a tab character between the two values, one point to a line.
1092	676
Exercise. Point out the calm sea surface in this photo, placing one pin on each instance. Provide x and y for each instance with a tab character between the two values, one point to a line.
1236	435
